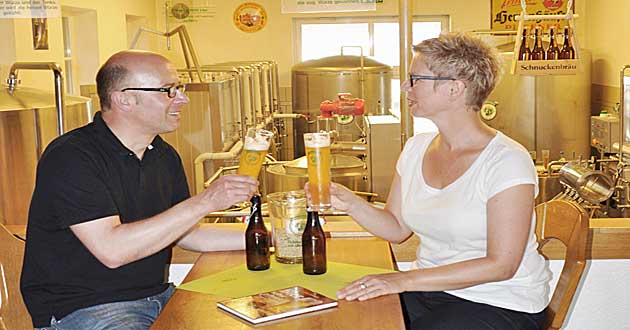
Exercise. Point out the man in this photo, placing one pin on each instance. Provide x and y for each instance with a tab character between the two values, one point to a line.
111	199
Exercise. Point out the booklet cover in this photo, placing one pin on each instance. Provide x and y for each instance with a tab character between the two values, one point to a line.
273	305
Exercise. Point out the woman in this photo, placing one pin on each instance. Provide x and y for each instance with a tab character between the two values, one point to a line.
468	192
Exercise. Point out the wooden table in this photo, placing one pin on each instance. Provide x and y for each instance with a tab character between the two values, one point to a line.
192	310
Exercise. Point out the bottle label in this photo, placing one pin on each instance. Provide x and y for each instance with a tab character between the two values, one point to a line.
295	226
288	240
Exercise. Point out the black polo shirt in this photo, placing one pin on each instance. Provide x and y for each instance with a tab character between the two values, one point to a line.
84	175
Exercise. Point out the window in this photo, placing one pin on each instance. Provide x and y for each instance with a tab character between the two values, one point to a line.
377	36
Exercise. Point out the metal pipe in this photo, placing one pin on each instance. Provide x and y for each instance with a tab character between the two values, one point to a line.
59	91
349	146
362	70
288	116
198	163
622	111
186	46
405	41
168	39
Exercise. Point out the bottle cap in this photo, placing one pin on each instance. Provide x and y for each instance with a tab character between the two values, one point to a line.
255	199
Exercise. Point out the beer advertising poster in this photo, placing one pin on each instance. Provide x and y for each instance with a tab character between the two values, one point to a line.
322	6
250	17
504	12
30	8
189	11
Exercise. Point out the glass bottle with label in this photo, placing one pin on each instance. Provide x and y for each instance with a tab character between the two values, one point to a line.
313	246
524	51
538	52
257	238
567	52
553	52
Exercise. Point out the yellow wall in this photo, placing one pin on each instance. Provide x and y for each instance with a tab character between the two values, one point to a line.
111	30
601	28
608	36
218	40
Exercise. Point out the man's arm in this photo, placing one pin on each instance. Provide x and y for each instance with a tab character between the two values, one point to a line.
116	244
214	237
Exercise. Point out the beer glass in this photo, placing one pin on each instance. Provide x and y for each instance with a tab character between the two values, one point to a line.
318	160
257	143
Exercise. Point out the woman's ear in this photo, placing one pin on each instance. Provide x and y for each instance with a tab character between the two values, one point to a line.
456	88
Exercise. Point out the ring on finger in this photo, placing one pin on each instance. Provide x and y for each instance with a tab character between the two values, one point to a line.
362	286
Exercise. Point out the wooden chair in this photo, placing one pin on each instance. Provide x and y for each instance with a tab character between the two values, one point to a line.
13	313
567	222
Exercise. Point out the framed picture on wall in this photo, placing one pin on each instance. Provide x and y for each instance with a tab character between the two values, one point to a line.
40	33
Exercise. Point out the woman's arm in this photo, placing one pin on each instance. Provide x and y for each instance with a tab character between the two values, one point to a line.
509	220
385	223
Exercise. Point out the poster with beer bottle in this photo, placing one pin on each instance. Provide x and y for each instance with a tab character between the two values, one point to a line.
553	51
524	51
567	52
503	13
538	52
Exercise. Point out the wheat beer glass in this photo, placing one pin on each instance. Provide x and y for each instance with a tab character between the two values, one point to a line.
257	143
318	160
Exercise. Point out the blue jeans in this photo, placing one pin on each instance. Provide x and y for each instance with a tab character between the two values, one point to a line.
129	315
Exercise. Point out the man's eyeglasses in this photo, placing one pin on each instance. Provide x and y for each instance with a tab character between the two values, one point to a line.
171	91
415	77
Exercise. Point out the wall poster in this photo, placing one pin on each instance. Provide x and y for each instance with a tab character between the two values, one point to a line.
189	11
29	8
504	11
320	6
250	17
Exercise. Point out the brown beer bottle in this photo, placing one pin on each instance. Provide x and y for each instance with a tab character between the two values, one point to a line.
567	52
553	52
256	238
524	52
313	246
538	52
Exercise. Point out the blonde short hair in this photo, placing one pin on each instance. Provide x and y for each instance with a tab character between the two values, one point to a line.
463	57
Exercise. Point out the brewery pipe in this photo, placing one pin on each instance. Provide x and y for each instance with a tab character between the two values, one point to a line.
622	112
198	163
59	93
186	44
405	41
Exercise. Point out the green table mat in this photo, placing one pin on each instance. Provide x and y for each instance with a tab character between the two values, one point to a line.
239	281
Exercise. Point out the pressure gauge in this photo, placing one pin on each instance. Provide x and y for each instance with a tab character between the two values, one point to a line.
344	119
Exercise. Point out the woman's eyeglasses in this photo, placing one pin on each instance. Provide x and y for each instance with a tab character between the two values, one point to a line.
415	77
171	91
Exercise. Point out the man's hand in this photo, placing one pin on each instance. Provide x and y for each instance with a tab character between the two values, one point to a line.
229	190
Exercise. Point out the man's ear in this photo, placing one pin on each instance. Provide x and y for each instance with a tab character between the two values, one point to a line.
123	101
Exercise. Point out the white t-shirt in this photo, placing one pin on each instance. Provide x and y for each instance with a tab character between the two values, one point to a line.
451	222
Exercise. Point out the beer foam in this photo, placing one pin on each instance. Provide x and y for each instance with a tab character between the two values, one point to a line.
318	141
260	144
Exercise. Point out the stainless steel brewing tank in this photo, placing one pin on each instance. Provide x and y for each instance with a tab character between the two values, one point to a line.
21	142
346	170
210	123
322	79
544	112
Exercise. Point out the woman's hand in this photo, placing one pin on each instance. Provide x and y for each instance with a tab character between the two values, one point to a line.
373	286
341	198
